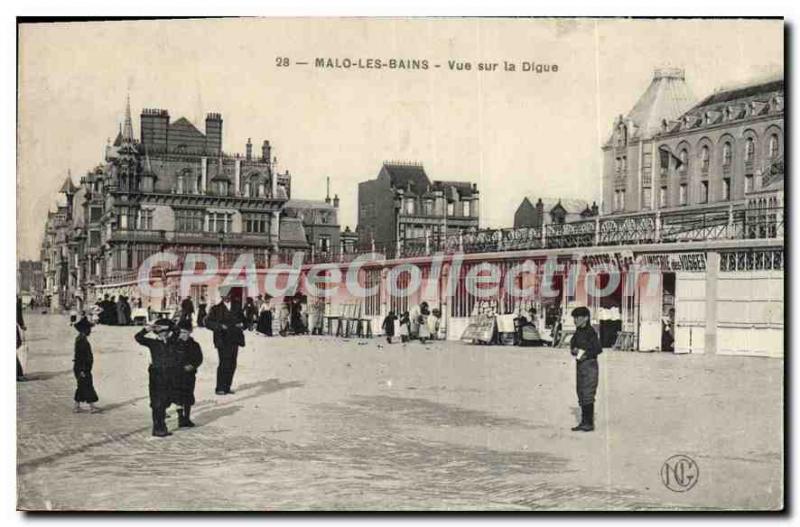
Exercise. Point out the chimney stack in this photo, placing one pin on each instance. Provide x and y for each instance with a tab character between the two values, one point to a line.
266	151
336	200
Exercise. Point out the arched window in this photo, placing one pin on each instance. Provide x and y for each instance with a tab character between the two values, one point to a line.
774	146
188	183
704	158
255	187
749	150
727	154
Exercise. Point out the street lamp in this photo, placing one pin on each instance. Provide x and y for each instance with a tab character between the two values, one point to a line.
221	236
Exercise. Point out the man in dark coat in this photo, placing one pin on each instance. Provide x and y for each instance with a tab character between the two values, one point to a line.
161	372
82	367
585	347
226	321
189	358
187	309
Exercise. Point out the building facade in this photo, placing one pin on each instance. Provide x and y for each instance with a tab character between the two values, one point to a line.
672	152
403	207
536	212
320	219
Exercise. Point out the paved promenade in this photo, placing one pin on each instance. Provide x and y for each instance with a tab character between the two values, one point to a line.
327	423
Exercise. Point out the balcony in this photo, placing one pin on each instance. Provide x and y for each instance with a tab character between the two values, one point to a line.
199	237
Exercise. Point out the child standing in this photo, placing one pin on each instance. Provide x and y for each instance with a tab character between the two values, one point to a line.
388	326
82	368
405	326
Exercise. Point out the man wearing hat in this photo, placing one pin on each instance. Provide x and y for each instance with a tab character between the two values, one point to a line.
226	320
82	367
189	358
585	347
162	371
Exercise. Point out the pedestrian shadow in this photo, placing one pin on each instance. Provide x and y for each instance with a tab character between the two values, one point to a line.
28	466
209	416
114	406
266	387
45	375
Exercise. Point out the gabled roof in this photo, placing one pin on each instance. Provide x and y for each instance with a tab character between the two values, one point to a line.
292	232
68	187
571	205
404	175
667	97
184	125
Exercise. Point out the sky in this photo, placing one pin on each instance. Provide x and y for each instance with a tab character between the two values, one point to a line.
513	133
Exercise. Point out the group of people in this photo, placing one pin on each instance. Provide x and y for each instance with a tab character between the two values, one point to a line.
175	357
174	360
422	323
257	314
115	311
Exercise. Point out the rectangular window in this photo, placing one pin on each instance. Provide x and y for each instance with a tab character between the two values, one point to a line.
255	223
465	208
95	213
324	244
647	197
146	219
748	183
726	189
704	192
188	220
451	209
622	200
662	197
410	206
219	221
94	238
683	194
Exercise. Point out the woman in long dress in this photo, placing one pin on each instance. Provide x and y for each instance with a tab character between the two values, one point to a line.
423	332
264	324
82	368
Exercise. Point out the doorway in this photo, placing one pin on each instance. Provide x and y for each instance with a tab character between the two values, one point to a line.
668	313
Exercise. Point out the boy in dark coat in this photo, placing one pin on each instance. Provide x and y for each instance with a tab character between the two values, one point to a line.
82	368
189	358
585	347
405	326
388	326
161	372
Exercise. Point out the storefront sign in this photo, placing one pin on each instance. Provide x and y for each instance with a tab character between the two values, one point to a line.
480	329
694	262
608	260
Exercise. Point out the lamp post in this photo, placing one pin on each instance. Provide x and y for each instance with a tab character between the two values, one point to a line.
398	207
221	236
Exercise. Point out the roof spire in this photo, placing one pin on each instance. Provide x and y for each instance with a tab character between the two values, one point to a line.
127	128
